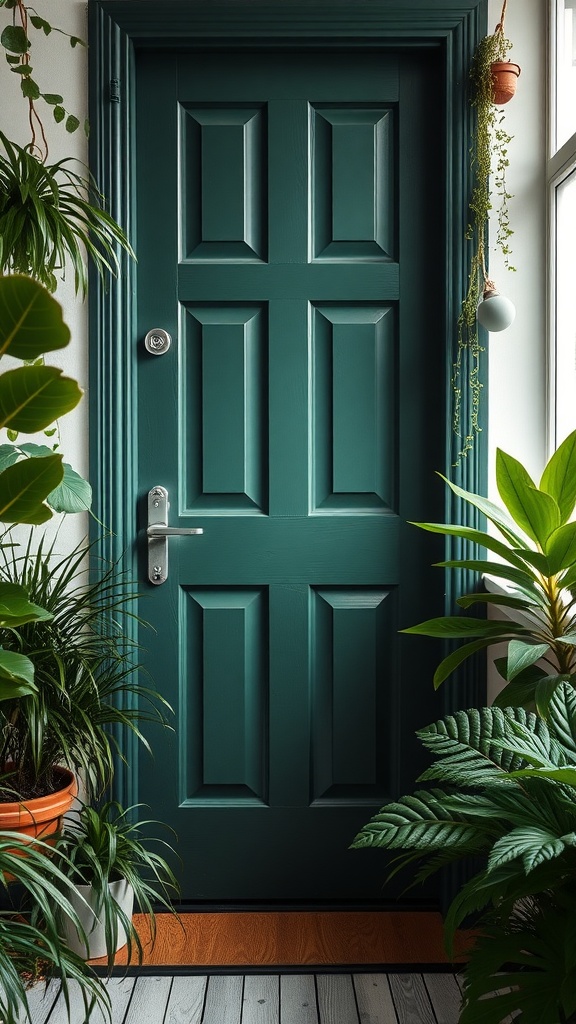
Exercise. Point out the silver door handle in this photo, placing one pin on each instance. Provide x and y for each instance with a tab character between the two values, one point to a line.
171	531
157	534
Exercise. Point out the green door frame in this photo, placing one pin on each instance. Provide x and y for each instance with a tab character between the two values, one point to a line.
117	29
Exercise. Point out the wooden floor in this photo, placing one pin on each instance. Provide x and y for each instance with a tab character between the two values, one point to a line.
292	938
265	999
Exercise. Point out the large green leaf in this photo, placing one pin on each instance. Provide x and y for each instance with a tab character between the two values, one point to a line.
561	548
559	477
562	717
455	658
16	609
530	844
493	512
521	580
24	487
536	512
456	626
498	600
30	319
522	655
32	397
74	494
8	455
484	540
566	775
16	676
14	39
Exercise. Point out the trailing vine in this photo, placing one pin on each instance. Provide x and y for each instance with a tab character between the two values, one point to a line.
489	163
16	39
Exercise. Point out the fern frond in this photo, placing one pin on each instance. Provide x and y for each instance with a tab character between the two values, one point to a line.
420	822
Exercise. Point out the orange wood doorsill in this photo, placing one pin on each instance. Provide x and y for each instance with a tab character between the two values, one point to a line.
293	938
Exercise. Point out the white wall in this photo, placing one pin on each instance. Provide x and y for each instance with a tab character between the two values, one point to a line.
517	403
517	378
59	69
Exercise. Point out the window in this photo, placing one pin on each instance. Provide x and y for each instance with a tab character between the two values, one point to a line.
562	184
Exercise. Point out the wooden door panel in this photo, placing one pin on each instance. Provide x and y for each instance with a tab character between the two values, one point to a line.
287	255
352	154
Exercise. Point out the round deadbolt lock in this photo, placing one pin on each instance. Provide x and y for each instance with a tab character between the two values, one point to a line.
157	341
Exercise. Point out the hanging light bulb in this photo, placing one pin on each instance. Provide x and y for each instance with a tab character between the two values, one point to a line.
495	312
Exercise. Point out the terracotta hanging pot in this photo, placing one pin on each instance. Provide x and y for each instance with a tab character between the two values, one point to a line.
41	816
504	77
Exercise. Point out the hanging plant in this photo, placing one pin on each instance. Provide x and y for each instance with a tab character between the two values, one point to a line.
16	39
49	214
489	163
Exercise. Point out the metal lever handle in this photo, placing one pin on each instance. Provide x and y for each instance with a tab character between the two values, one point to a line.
171	531
158	532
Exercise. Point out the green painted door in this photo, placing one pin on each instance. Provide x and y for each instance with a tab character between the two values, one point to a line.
288	205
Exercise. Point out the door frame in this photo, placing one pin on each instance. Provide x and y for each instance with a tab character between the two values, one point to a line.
117	29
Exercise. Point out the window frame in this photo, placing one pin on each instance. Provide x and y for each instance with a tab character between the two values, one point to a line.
561	163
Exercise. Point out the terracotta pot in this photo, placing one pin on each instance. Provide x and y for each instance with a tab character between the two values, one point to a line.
504	77
42	816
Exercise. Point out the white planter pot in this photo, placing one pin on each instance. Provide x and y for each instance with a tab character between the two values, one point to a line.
123	893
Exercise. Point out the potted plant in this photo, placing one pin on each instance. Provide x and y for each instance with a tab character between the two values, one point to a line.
501	793
112	866
84	678
31	949
535	549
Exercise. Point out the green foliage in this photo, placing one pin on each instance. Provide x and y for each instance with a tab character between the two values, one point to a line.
33	479
17	41
50	214
507	799
104	844
537	561
29	940
488	163
85	676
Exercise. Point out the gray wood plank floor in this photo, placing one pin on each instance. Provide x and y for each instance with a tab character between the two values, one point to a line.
262	999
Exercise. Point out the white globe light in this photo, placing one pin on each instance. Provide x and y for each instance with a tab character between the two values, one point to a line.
495	312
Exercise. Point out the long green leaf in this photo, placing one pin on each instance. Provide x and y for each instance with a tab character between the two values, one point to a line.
461	626
483	540
453	660
32	397
508	528
559	477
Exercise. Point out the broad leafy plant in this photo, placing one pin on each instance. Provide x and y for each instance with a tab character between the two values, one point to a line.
535	549
32	396
501	791
105	844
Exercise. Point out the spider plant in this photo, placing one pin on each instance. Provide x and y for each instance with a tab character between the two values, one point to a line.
85	677
49	214
30	946
104	847
502	791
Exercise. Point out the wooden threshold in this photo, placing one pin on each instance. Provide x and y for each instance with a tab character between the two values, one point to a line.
293	938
